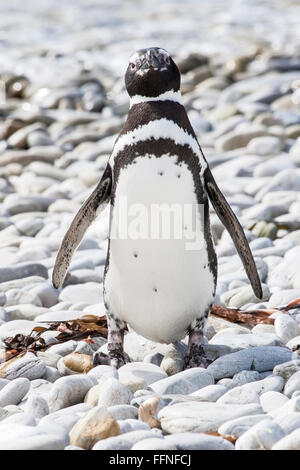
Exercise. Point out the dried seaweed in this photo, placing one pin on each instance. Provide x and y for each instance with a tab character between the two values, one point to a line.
253	317
89	326
293	305
237	316
83	328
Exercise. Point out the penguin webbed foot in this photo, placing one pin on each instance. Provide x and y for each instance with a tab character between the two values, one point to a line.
118	359
196	356
101	359
116	356
115	359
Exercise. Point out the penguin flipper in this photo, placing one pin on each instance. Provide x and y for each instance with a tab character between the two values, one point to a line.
231	223
81	222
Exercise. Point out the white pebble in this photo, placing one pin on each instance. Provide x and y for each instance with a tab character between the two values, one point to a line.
113	392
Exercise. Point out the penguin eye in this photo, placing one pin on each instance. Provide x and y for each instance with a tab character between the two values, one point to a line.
132	65
167	59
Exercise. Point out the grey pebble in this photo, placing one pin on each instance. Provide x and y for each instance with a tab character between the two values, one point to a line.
191	441
292	385
51	374
64	348
289	422
272	400
154	358
287	369
130	425
185	382
68	391
28	366
286	327
246	376
261	358
289	442
36	406
123	412
262	436
103	371
209	393
33	438
136	375
154	443
202	416
112	392
237	427
66	417
250	392
19	271
14	391
126	441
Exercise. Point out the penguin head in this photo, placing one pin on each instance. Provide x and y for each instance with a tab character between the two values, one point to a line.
151	72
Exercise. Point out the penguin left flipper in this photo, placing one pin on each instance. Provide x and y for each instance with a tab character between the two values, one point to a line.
81	222
231	223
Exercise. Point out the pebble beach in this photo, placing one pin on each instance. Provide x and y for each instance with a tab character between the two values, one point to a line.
62	105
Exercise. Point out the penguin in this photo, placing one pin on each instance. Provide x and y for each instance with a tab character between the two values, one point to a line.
160	287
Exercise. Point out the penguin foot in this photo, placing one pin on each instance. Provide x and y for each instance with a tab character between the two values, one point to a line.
116	356
101	359
196	358
119	359
114	359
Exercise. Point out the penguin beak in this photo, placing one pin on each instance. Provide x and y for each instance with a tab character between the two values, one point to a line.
152	60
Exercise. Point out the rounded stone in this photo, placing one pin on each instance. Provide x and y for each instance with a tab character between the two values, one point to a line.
210	392
95	425
292	385
36	406
127	440
237	427
194	441
68	391
14	391
129	425
272	400
290	442
28	366
260	358
262	436
154	444
286	327
267	145
202	416
184	382
112	392
137	375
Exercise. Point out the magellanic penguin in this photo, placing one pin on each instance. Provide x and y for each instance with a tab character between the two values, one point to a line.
160	288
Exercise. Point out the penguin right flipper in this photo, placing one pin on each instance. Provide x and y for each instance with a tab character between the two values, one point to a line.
81	222
235	230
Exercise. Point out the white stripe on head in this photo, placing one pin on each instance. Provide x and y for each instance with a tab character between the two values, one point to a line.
134	56
159	129
137	55
170	95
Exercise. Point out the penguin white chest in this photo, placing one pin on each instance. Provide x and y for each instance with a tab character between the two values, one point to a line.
158	279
